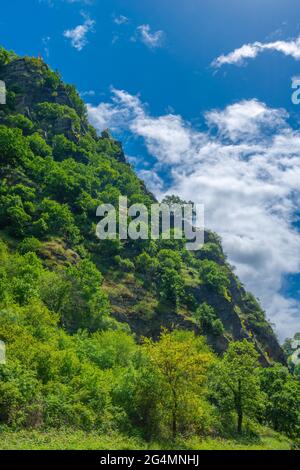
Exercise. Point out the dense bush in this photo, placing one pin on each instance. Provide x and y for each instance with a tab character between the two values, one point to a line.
208	320
283	399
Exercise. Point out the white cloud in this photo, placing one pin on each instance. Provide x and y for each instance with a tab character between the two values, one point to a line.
104	116
78	34
51	3
247	174
88	93
153	182
121	19
117	114
46	41
250	51
153	40
86	2
246	120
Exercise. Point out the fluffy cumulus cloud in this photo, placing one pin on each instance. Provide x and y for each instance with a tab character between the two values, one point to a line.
245	168
78	35
153	181
250	51
116	115
247	120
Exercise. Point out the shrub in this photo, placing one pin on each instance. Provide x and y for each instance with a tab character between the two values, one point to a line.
38	145
29	244
215	276
124	263
207	319
22	122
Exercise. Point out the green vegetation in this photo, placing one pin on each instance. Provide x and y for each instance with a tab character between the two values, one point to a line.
6	56
80	440
122	339
180	361
282	404
71	365
207	319
236	385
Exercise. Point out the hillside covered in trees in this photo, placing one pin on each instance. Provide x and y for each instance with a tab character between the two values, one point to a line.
142	338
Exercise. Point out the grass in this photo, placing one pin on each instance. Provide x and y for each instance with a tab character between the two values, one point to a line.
79	440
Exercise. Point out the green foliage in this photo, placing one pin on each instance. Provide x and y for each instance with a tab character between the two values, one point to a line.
52	379
76	101
171	285
72	439
283	399
50	112
255	315
14	148
146	264
178	365
6	56
13	213
235	382
63	147
213	252
17	386
207	319
30	244
124	264
51	79
77	297
59	220
70	364
89	304
99	378
22	122
21	274
215	276
38	145
107	349
169	259
54	117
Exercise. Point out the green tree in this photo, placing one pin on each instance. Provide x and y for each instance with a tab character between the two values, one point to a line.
14	147
87	304
215	276
207	319
171	285
181	359
63	147
235	383
59	220
21	122
6	56
283	399
38	145
146	264
30	244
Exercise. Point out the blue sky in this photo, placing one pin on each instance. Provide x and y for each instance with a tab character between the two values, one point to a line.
200	93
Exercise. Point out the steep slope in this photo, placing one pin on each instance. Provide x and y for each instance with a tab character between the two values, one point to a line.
55	170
